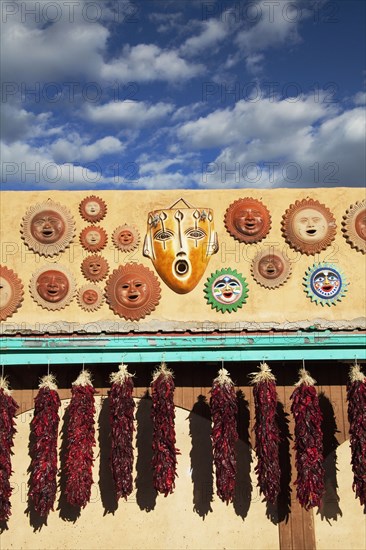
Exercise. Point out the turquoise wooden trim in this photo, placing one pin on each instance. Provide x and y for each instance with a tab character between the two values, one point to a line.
138	349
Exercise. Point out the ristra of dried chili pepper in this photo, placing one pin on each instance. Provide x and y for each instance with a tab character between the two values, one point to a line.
266	430
8	408
224	436
164	458
80	441
356	397
308	442
44	427
121	411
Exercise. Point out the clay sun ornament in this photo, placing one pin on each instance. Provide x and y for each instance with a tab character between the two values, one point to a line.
94	268
92	209
52	287
48	228
354	226
248	220
308	226
325	284
90	297
126	238
93	238
11	292
270	268
226	290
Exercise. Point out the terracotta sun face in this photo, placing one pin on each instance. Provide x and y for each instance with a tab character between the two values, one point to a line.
94	268
11	292
48	228
92	209
180	242
354	226
308	226
93	238
90	297
53	288
248	220
270	268
133	291
126	238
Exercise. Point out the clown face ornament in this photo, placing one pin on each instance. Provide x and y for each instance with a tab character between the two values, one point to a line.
226	290
180	242
308	226
325	284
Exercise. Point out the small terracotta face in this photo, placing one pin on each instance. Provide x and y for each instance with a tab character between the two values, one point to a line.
360	224
47	227
94	267
92	208
271	266
227	290
326	283
131	291
52	285
248	220
125	237
310	225
92	237
5	292
180	243
90	296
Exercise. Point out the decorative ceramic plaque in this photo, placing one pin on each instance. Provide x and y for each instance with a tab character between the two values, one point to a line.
132	291
248	220
48	228
126	238
90	297
226	290
11	292
354	226
325	284
93	238
180	242
92	209
95	268
52	287
270	268
308	226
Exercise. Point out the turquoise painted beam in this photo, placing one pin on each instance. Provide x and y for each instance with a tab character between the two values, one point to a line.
138	349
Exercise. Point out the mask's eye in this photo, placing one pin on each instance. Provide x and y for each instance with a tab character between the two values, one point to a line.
233	284
220	285
125	287
195	233
320	279
332	278
163	235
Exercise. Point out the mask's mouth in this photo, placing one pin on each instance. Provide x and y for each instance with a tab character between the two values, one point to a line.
327	288
181	268
133	297
311	232
227	294
47	232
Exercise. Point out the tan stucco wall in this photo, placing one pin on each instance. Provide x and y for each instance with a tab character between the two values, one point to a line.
172	524
264	308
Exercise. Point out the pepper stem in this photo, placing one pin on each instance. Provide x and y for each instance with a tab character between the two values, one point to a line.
84	379
121	375
48	381
162	370
355	374
4	385
223	378
305	378
264	375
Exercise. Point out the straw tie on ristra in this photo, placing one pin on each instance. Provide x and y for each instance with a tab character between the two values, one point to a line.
164	459
266	430
224	410
356	397
308	442
121	411
80	441
8	408
44	427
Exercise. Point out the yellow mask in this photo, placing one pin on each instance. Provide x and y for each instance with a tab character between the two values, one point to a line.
180	241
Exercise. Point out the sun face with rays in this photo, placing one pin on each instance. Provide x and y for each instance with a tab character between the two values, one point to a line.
325	284
226	290
354	226
11	292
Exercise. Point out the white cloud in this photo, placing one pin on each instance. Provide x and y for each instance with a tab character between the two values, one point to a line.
128	114
359	98
213	31
74	149
18	123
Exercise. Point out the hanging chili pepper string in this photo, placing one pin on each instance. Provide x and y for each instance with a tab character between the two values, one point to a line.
356	397
80	441
224	435
121	416
44	427
308	442
267	438
8	408
164	459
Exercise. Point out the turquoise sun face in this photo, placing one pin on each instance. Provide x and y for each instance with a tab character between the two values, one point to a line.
325	284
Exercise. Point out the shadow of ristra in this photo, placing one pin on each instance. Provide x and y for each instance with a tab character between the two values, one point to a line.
329	508
145	491
201	456
284	496
35	520
243	483
66	511
106	482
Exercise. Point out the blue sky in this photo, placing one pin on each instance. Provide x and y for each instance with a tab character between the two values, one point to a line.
182	94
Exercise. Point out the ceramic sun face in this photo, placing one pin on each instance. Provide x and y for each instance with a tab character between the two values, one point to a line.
93	238
248	220
90	297
270	268
92	209
180	242
11	292
226	290
94	268
52	287
354	226
325	284
308	226
126	238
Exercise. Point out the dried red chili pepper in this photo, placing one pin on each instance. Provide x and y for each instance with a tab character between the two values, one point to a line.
356	397
224	410
308	442
8	408
121	407
266	430
164	459
44	427
80	441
